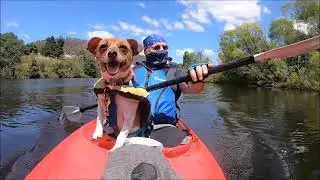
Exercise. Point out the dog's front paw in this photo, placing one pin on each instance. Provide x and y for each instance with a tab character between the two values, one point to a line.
116	146
97	134
121	139
113	149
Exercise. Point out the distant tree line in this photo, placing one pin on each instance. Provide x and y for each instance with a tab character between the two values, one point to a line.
43	59
47	58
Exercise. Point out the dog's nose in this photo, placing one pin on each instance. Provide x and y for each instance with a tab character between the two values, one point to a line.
112	53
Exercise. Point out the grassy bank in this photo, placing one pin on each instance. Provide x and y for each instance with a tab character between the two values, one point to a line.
37	66
275	74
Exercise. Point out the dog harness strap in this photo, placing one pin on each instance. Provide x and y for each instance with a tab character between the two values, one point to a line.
99	86
98	90
161	93
147	79
111	107
149	71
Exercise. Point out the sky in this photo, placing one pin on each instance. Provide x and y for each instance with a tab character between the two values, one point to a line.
185	24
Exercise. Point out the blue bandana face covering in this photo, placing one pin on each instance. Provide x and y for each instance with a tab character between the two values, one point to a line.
159	58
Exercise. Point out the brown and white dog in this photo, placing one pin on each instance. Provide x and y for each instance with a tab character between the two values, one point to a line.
114	57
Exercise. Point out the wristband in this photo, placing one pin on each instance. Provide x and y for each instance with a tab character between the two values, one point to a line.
193	66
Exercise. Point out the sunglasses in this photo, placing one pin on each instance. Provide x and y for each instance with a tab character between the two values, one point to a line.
157	47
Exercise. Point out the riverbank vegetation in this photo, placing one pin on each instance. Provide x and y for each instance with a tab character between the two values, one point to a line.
301	20
45	59
58	57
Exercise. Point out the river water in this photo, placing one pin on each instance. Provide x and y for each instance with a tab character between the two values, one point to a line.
254	133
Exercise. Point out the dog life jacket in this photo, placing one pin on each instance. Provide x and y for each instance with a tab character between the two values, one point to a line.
100	87
163	101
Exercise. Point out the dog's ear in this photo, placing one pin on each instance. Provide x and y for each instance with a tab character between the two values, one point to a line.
93	43
135	46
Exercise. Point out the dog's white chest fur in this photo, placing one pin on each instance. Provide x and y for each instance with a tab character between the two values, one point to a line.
126	114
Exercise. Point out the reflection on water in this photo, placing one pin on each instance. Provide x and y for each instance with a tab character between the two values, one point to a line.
254	133
28	113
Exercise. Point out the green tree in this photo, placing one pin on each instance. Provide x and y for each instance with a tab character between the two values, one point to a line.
90	66
59	50
282	32
30	48
199	57
245	40
305	11
187	59
35	70
10	51
49	47
190	58
314	70
53	48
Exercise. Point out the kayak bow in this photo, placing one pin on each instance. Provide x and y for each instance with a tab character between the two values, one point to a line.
79	157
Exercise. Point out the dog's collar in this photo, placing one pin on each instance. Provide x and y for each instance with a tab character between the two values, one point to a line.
121	82
117	83
101	85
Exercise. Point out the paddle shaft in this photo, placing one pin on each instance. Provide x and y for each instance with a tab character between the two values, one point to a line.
281	52
212	70
88	107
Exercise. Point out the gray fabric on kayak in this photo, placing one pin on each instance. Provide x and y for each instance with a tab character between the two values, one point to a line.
169	135
159	126
138	162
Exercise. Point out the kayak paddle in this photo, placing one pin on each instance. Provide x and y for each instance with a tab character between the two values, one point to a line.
74	113
281	52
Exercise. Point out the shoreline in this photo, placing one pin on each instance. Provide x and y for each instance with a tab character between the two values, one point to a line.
222	82
263	86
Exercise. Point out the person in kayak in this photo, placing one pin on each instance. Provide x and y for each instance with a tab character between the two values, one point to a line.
158	68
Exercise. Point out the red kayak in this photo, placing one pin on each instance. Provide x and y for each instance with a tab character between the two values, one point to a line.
79	157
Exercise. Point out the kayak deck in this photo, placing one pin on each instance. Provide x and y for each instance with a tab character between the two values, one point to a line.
79	157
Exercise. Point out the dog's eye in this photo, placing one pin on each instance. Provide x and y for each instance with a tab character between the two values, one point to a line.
103	46
124	49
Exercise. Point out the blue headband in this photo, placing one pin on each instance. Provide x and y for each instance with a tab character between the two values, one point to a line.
152	39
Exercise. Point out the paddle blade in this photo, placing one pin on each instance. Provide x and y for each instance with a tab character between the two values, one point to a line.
290	50
71	113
